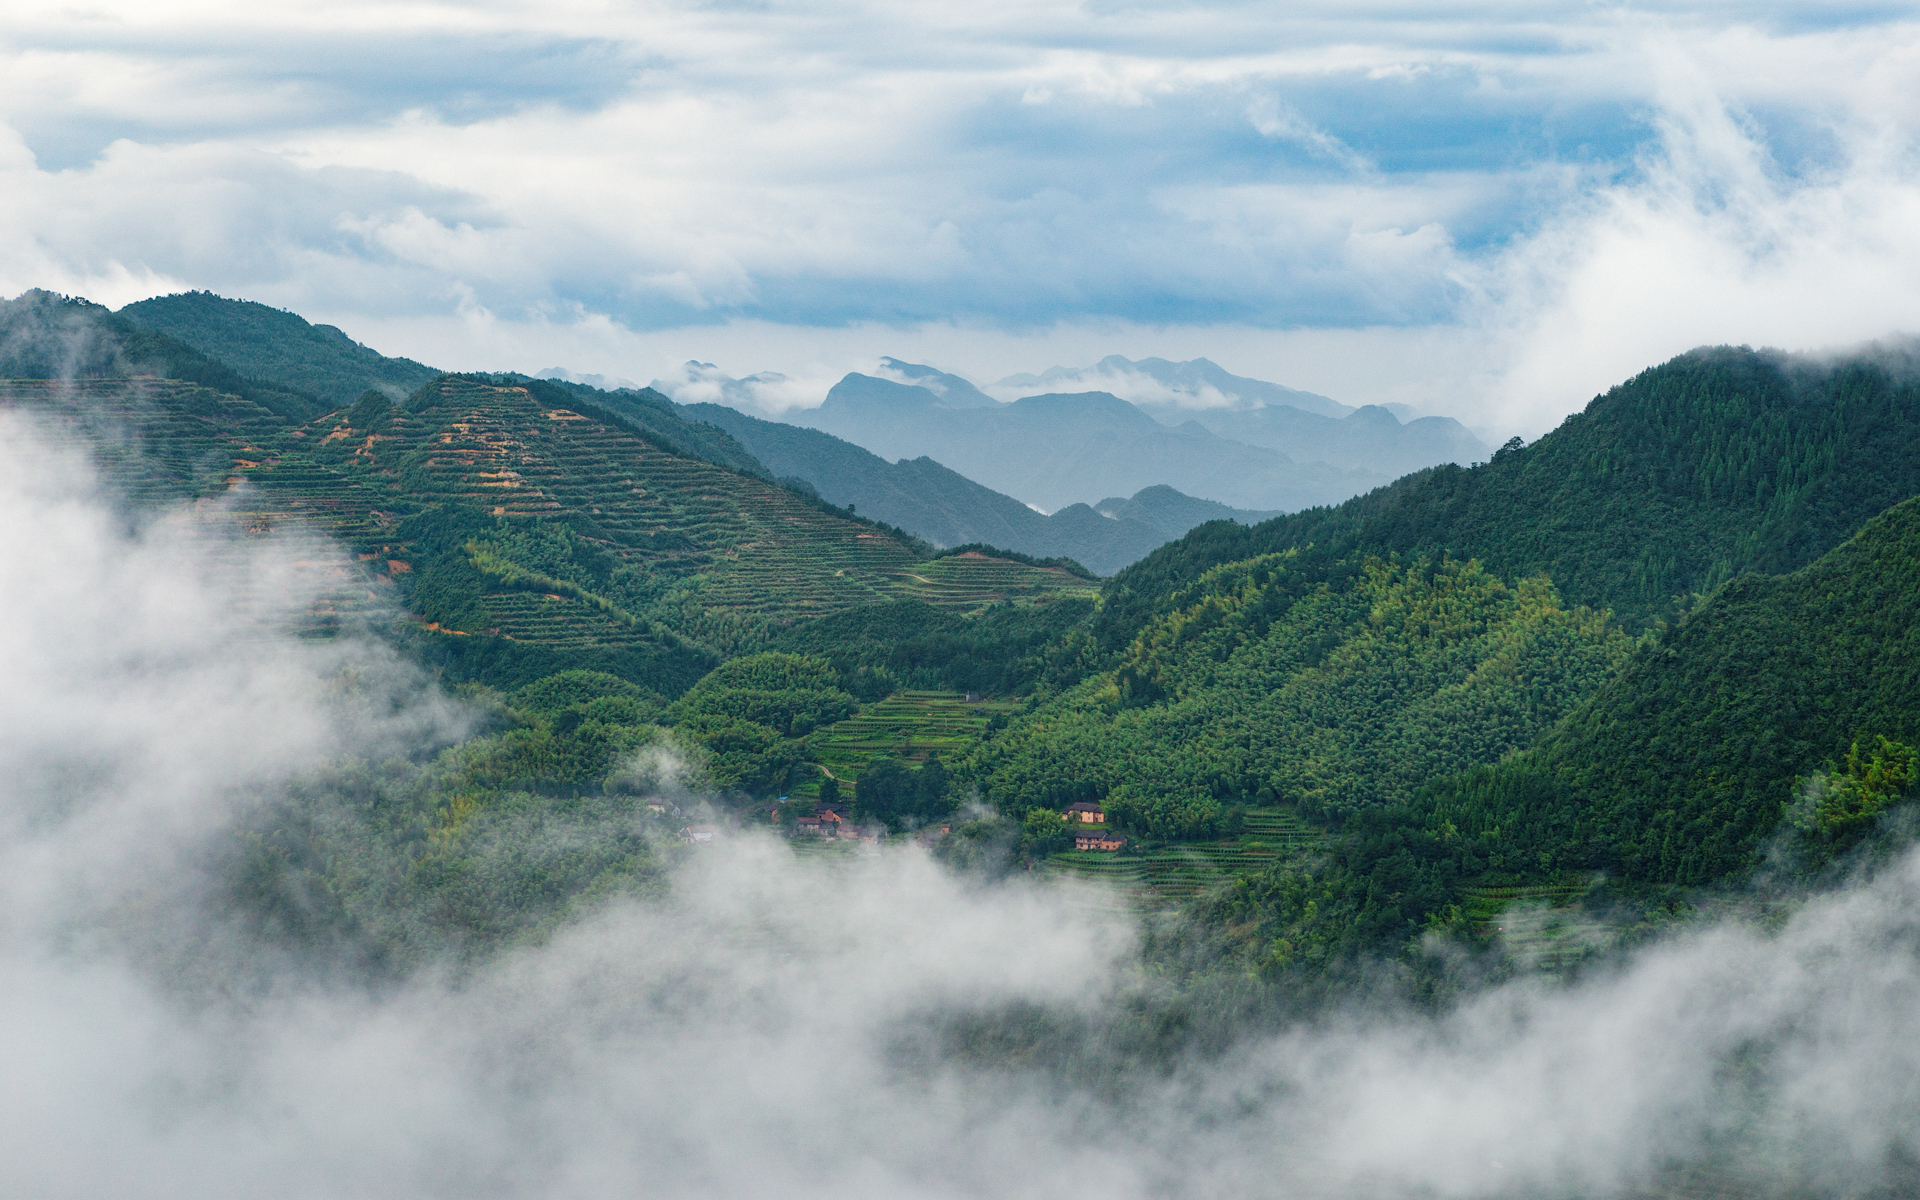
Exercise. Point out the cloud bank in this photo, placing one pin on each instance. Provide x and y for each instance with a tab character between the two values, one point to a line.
771	1028
1319	195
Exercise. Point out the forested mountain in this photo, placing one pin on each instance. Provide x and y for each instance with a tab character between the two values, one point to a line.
948	509
543	529
270	343
565	535
1055	450
1721	461
1782	714
1679	770
1331	687
46	336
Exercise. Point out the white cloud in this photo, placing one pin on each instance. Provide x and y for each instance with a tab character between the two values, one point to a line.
1557	196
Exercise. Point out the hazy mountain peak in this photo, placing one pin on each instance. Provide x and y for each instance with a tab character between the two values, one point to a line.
767	392
1159	385
953	391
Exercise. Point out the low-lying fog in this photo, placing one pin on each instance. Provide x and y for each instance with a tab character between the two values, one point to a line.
770	1029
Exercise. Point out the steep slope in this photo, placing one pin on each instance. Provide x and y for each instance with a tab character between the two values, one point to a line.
1054	450
1679	770
1718	462
152	441
521	524
654	413
269	343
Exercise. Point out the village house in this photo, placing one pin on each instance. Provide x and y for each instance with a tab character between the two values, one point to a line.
1097	839
1086	812
699	835
812	826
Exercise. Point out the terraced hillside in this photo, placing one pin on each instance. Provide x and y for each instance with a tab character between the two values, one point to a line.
1168	874
152	440
972	580
911	726
509	516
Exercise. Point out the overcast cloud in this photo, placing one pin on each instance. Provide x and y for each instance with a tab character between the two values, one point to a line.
1491	209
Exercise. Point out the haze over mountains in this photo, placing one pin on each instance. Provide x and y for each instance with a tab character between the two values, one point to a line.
1192	426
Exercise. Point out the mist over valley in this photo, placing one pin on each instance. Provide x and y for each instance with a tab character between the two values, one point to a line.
1307	601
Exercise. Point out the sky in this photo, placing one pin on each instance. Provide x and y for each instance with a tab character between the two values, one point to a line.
1488	209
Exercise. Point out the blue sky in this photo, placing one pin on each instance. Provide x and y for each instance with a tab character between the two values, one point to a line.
1492	209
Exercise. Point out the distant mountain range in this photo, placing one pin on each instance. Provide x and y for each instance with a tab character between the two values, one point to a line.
949	509
1152	382
1057	449
1191	426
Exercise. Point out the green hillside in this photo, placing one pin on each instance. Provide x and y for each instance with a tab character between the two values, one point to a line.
47	336
1784	707
270	343
1718	462
658	416
1678	770
531	526
1335	689
153	441
511	519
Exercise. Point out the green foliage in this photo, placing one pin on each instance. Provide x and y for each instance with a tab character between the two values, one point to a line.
393	865
371	413
742	755
1043	834
1835	810
1333	689
1675	772
268	343
911	645
748	713
789	693
45	336
566	689
897	796
1718	462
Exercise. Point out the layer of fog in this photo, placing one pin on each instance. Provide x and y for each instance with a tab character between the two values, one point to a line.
769	1028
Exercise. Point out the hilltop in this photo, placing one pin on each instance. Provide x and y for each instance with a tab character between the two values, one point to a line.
271	343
